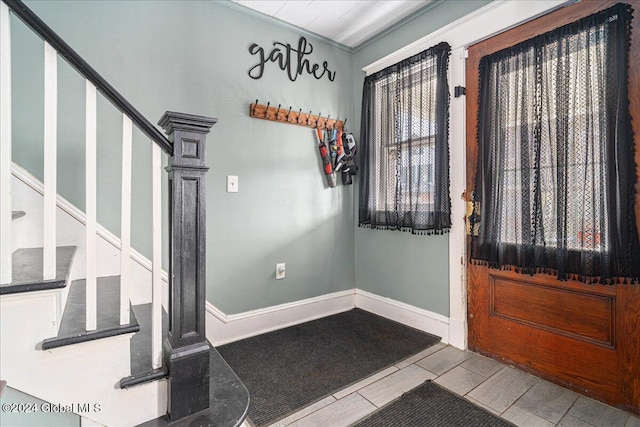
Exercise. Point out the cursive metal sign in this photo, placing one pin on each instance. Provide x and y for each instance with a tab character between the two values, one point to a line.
291	60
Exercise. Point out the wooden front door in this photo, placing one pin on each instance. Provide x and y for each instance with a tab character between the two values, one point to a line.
584	337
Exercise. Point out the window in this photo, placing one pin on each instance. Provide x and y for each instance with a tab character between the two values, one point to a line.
555	167
405	118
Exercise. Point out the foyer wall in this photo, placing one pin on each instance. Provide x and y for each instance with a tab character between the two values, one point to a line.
407	268
192	56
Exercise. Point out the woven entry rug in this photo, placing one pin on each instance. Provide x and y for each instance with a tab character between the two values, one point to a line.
430	405
288	369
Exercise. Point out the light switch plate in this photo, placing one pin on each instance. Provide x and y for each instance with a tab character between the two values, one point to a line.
232	183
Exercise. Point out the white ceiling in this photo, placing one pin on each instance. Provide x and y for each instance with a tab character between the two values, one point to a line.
348	22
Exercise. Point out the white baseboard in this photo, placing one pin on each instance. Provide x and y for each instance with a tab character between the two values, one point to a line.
222	328
406	314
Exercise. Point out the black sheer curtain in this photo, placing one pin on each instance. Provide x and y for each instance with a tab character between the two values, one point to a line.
404	138
556	173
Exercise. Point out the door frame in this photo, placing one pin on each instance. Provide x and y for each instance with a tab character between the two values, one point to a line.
627	321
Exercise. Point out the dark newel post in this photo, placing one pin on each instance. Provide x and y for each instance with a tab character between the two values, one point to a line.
186	349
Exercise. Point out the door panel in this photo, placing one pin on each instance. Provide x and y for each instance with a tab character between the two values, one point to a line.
584	316
584	337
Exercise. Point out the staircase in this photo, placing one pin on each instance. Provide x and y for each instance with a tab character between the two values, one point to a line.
87	323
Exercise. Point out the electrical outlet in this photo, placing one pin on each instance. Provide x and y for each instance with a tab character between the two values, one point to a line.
281	269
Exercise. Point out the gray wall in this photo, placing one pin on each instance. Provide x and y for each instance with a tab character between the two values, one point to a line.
191	56
408	268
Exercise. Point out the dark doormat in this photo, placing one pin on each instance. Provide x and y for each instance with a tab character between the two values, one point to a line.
431	405
288	369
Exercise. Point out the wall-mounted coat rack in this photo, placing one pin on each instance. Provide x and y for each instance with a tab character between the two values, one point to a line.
287	115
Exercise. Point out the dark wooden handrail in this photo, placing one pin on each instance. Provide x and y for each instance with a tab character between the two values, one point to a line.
72	57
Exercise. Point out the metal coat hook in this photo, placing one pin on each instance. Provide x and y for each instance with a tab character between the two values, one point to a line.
313	121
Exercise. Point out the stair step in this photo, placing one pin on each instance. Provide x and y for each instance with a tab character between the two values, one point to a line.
144	377
141	367
17	214
26	267
228	399
73	324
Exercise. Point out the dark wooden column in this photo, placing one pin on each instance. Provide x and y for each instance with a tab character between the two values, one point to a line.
186	349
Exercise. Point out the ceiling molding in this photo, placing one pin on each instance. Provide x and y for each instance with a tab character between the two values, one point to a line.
456	33
432	5
280	23
304	32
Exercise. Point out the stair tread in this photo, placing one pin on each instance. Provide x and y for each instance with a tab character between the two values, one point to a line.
228	399
27	270
73	324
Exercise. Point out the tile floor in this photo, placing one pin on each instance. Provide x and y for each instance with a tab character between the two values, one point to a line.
521	398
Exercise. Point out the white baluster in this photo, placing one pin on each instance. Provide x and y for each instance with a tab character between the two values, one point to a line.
125	223
5	145
91	206
50	160
156	257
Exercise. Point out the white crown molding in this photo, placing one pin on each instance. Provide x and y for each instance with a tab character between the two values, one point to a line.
473	27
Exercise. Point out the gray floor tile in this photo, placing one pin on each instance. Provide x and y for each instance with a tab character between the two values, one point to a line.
341	413
460	380
482	405
360	384
424	353
547	400
444	360
482	365
304	412
392	386
597	413
634	421
524	418
569	421
502	389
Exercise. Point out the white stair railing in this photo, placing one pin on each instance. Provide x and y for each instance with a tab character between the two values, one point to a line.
5	145
50	161
125	221
186	337
156	257
91	205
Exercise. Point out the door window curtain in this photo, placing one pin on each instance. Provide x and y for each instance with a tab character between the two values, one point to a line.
404	138
556	174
